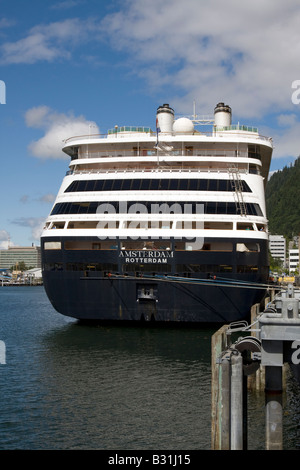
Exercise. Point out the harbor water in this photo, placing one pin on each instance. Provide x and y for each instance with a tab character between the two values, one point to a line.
68	386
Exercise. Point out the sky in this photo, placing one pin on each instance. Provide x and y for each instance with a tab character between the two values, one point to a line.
70	67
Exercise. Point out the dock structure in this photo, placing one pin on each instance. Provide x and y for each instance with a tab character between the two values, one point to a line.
244	356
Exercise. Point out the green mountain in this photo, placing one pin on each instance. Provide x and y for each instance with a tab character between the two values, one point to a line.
283	201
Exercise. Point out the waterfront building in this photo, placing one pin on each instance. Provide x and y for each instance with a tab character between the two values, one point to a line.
277	247
30	255
293	260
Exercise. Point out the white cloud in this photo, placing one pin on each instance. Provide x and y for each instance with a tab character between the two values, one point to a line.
24	198
57	128
66	4
38	117
35	223
243	53
47	198
287	142
4	240
46	42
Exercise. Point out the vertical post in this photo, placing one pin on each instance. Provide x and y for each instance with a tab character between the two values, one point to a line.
273	395
245	412
236	402
218	346
225	400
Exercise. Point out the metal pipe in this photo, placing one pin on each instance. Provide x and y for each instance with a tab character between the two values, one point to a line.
225	400
236	402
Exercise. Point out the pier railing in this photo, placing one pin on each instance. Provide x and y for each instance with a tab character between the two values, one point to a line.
159	169
274	343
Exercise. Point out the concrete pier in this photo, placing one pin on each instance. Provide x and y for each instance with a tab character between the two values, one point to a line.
256	361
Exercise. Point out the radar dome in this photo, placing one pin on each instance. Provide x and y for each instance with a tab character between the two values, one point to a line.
183	126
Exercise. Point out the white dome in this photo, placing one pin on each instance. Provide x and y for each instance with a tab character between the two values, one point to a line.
183	125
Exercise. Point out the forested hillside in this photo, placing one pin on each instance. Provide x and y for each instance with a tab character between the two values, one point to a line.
283	201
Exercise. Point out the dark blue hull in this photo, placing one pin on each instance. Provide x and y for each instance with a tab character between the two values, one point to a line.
161	293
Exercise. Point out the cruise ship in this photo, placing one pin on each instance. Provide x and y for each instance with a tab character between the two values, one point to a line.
163	225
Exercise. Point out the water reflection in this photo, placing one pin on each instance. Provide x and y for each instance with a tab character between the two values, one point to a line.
69	386
131	388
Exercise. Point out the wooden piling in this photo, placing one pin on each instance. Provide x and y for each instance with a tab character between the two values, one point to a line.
219	439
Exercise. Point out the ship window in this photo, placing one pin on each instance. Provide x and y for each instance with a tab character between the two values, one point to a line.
90	267
59	225
244	226
187	269
98	186
212	246
210	207
93	206
247	269
213	185
231	208
223	185
81	186
247	247
52	245
145	185
254	151
173	185
145	245
155	184
220	246
117	185
53	267
87	245
90	185
222	208
83	224
83	208
218	225
203	185
193	186
258	210
225	268
136	185
111	185
164	185
150	268
149	207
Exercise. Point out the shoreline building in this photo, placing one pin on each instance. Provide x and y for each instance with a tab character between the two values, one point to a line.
30	255
277	244
293	260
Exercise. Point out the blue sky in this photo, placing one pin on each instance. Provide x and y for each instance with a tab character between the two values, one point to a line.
73	65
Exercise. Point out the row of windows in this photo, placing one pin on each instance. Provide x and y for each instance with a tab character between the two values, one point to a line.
116	207
154	185
136	267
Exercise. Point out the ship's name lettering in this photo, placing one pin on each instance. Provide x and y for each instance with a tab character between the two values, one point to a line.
139	256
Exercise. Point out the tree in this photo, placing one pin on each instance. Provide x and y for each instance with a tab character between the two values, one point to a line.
20	266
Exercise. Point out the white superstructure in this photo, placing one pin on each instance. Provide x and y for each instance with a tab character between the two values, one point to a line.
230	153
